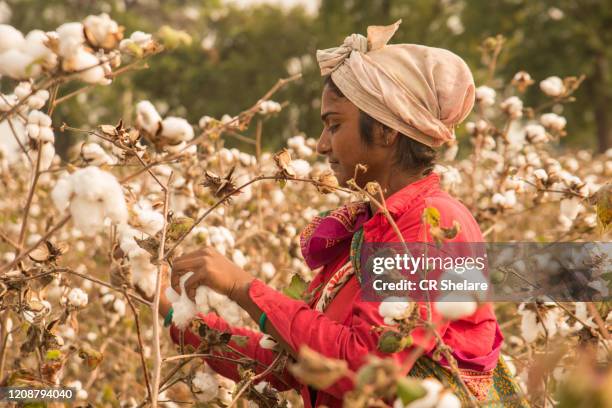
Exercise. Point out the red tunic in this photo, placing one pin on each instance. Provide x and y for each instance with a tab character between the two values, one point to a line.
343	331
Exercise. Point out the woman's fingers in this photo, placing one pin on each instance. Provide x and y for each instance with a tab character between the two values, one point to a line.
191	286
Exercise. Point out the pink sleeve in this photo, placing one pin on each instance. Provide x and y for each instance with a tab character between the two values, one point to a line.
299	325
251	349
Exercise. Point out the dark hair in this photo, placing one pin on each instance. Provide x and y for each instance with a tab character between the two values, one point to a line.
410	154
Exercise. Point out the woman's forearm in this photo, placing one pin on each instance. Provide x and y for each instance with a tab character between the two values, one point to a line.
240	295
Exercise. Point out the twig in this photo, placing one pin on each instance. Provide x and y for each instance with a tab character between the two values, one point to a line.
156	331
87	277
254	378
23	149
249	112
8	240
140	345
597	317
24	222
230	194
22	255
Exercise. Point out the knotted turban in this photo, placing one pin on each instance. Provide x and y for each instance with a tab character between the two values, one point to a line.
422	92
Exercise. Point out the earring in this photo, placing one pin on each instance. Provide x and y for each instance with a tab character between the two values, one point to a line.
386	140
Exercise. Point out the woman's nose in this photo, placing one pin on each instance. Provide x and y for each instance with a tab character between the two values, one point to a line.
324	144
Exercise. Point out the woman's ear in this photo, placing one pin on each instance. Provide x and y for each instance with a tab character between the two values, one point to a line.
389	136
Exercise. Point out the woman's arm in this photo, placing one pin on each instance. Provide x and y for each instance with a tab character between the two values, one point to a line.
221	365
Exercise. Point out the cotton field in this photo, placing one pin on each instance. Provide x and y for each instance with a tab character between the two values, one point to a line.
85	236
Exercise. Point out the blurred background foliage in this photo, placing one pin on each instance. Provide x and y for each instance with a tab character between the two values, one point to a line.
240	50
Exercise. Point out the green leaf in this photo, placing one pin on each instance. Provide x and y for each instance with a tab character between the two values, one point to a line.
53	354
297	288
409	389
282	183
172	38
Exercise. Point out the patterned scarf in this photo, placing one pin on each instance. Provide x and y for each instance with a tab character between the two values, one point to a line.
328	236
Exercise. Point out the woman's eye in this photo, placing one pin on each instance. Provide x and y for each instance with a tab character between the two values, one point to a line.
334	128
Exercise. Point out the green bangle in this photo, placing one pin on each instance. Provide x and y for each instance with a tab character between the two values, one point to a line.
262	322
168	318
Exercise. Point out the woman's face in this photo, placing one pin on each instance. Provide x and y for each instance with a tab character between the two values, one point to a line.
341	142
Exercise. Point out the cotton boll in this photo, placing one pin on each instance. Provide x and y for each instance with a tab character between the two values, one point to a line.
206	386
448	400
268	270
38	100
453	310
529	324
70	36
216	300
267	107
77	298
184	308
47	156
230	312
226	156
296	142
541	174
267	342
570	207
102	31
553	121
535	134
144	273
513	106
239	259
553	86
34	46
205	121
61	193
147	117
485	95
102	190
10	37
87	215
91	71
176	130
94	154
394	309
7	101
18	65
172	295
149	221
300	167
201	299
39	127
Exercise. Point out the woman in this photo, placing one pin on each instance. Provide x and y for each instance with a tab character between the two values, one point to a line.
385	106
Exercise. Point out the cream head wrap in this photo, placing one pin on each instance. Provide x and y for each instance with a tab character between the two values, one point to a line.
422	92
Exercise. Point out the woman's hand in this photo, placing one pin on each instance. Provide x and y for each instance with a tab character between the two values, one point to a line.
212	269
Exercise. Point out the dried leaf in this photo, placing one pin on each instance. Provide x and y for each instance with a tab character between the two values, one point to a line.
602	200
328	182
109	130
92	357
178	227
317	370
221	187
